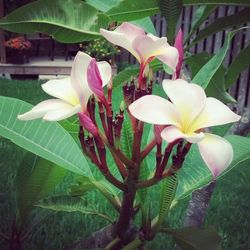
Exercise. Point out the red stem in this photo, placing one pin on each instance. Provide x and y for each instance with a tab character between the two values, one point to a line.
148	148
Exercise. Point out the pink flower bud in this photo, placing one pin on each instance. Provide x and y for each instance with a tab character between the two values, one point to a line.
95	80
179	46
87	123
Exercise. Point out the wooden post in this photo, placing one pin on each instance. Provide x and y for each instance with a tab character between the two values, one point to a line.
2	39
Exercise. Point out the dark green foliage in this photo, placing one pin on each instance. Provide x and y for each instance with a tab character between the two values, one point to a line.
171	10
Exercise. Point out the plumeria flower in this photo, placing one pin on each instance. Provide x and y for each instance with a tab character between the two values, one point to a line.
187	115
145	47
71	93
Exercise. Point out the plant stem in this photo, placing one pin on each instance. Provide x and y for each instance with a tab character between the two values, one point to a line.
148	148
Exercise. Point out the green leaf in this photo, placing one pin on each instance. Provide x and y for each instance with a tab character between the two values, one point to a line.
133	71
191	238
36	178
68	21
84	185
205	74
103	5
240	63
70	204
200	15
219	2
223	23
168	189
221	130
126	141
145	23
125	75
195	174
171	10
46	139
217	87
129	10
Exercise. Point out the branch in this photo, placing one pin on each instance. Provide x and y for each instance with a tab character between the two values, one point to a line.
198	205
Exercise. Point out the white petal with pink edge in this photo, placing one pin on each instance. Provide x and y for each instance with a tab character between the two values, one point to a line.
61	114
105	72
79	77
188	98
216	152
214	113
172	133
62	89
155	110
122	37
42	108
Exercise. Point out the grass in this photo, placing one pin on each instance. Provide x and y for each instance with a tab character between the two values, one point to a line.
228	211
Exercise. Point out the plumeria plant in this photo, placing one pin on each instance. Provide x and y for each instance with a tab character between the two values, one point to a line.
134	136
181	119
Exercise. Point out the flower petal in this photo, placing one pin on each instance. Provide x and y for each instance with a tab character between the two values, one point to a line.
63	113
42	108
214	113
216	152
155	110
172	133
150	46
188	98
61	89
123	36
105	71
79	77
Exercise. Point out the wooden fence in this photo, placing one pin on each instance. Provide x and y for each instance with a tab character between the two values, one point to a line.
241	90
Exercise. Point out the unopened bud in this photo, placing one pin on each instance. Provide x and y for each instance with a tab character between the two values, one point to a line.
87	123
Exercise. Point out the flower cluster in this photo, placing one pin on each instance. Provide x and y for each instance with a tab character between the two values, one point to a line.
18	43
102	50
181	120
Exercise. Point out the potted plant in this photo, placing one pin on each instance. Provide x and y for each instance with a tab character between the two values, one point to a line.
102	50
17	49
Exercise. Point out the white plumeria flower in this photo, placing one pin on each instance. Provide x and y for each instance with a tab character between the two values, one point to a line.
144	47
72	93
187	115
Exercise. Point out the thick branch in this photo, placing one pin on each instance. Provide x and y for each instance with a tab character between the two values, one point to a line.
198	205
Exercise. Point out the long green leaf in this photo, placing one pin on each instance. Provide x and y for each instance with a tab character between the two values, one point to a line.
200	15
171	10
223	23
126	141
129	10
216	87
84	185
46	139
168	191
70	204
220	2
103	5
191	238
205	74
68	21
36	178
145	23
240	63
